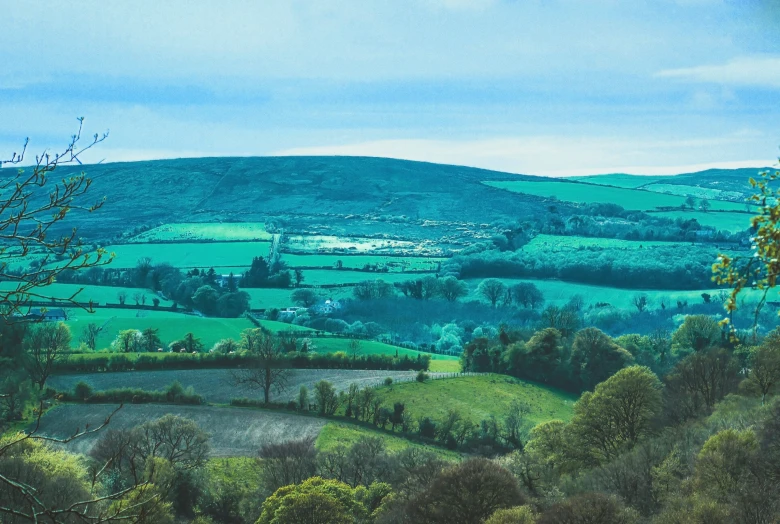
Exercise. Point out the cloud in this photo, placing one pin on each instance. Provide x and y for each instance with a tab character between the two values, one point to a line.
559	155
744	71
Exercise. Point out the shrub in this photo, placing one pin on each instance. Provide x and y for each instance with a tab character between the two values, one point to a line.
82	390
389	381
422	376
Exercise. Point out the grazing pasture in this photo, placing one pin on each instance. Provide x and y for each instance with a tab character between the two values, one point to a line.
321	277
619	180
97	294
319	243
392	263
235	432
216	385
216	232
478	397
544	244
733	222
187	255
709	193
634	199
336	434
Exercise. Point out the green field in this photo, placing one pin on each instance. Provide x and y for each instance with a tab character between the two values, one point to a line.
544	244
320	277
558	293
265	298
190	255
392	263
239	231
319	243
372	347
336	434
478	397
696	191
97	294
591	194
732	222
619	180
172	325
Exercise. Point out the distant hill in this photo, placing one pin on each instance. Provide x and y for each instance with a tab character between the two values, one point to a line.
321	191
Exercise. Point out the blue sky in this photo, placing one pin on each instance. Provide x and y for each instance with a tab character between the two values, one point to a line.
535	86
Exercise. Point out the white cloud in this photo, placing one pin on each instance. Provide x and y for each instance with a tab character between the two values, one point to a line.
744	71
559	155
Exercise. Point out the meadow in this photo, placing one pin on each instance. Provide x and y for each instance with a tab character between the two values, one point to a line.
619	180
392	263
478	397
97	294
634	199
336	434
321	277
709	193
319	243
204	231
188	255
733	221
543	244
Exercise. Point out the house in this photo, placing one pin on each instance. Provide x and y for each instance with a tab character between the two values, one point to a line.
49	315
327	307
223	280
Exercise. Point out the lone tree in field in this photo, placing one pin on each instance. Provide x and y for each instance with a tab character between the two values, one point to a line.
44	345
265	372
641	302
492	289
355	347
690	201
33	215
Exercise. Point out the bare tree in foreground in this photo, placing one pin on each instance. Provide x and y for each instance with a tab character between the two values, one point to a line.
265	371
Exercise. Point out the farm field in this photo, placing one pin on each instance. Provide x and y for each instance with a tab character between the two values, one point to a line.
557	292
235	231
592	193
320	277
371	347
393	263
478	397
696	191
265	298
732	222
172	326
336	434
188	255
235	432
319	243
97	294
551	243
215	385
619	180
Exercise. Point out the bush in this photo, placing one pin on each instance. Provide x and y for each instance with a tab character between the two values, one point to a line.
422	376
389	381
82	390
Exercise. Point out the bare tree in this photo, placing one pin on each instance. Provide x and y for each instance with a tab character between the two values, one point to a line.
31	225
122	297
44	345
355	347
90	334
265	372
492	289
641	302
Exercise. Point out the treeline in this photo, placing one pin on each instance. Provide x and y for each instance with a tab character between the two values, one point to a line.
175	393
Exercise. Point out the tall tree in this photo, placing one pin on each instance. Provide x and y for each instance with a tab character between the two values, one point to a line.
45	344
492	289
265	371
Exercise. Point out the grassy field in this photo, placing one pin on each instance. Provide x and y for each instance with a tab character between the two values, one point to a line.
709	193
265	298
557	293
732	222
370	347
216	385
190	255
336	434
235	432
592	193
238	231
240	472
172	326
318	243
97	294
478	397
619	180
393	263
552	243
319	277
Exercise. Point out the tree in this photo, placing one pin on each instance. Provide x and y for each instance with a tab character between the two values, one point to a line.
232	305
492	289
205	300
641	302
299	278
452	289
595	357
326	397
541	355
372	290
151	341
704	205
265	371
468	493
690	201
287	463
700	380
696	333
128	341
724	461
14	394
192	344
617	414
354	348
44	345
527	295
305	297
516	515
589	508
122	297
90	334
764	369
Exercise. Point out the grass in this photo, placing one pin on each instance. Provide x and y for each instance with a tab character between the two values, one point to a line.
319	277
439	365
172	326
478	397
393	263
371	347
336	434
633	199
619	180
238	231
551	243
732	222
241	472
265	298
709	193
316	243
190	255
97	294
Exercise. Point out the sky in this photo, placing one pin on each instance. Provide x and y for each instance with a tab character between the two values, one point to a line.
548	87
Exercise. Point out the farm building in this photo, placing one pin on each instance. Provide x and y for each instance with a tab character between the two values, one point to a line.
48	315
